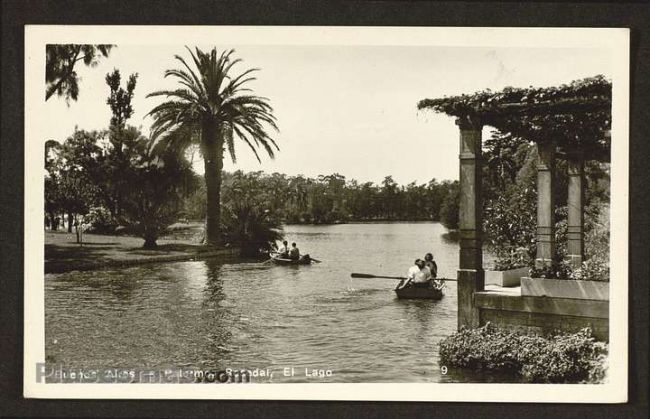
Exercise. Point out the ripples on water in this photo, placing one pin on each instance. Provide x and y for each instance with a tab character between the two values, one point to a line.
208	314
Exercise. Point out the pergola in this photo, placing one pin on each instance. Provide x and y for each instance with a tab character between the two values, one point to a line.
569	121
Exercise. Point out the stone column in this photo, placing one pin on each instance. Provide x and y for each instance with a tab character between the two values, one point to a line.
575	203
545	204
470	274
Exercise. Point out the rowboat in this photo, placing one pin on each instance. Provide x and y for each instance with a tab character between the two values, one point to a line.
284	261
432	292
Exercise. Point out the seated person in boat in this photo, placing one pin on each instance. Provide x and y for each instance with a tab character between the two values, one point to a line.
410	274
283	251
421	279
433	268
294	253
431	264
418	275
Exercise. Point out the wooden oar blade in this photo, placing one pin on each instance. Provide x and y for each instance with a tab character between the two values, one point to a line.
358	275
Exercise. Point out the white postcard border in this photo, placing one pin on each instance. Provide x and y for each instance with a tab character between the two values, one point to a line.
615	40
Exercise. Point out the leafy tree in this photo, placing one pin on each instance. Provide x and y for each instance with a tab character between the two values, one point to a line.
510	204
121	153
388	194
119	99
52	170
247	220
213	108
449	209
163	181
60	75
194	204
69	187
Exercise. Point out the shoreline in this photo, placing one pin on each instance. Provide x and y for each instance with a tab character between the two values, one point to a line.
365	222
63	254
56	267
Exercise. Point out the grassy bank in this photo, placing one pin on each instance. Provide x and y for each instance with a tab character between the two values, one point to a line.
63	253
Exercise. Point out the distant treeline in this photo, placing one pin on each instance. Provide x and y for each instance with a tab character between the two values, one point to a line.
333	198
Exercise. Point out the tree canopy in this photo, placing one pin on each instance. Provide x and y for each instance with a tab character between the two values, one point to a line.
212	106
60	60
576	115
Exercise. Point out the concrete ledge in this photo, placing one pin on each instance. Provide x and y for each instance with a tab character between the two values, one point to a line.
509	278
565	288
486	300
544	324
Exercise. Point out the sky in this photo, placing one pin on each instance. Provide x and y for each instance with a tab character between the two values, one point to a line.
345	109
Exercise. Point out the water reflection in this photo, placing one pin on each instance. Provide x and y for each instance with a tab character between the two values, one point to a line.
213	285
252	314
451	237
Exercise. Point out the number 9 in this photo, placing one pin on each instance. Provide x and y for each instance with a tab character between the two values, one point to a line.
443	369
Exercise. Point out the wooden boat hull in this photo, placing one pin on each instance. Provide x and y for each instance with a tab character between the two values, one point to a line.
420	293
282	261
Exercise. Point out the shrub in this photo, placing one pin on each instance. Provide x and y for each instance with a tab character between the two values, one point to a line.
250	229
516	258
594	269
558	269
596	265
101	221
163	181
560	358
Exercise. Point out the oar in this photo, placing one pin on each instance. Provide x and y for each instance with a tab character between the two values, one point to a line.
358	275
315	260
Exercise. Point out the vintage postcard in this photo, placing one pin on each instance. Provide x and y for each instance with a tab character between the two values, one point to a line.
326	213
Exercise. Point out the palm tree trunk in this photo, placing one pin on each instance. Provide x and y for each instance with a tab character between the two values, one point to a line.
213	163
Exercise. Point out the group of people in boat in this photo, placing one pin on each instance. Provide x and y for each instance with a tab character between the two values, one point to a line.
422	273
286	252
292	253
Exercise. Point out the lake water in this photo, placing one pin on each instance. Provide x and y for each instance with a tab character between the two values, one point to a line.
215	314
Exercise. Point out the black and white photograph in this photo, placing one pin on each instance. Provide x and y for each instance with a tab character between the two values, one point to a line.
335	213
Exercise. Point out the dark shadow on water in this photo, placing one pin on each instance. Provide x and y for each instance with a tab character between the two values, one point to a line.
451	237
214	284
166	248
218	337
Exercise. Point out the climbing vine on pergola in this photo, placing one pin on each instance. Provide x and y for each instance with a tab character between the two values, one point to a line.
570	120
575	116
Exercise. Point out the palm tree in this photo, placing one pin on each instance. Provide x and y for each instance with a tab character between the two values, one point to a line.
212	108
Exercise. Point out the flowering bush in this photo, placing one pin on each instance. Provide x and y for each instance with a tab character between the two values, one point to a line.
560	358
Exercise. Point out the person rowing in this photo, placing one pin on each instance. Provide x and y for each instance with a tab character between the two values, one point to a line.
418	275
283	251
